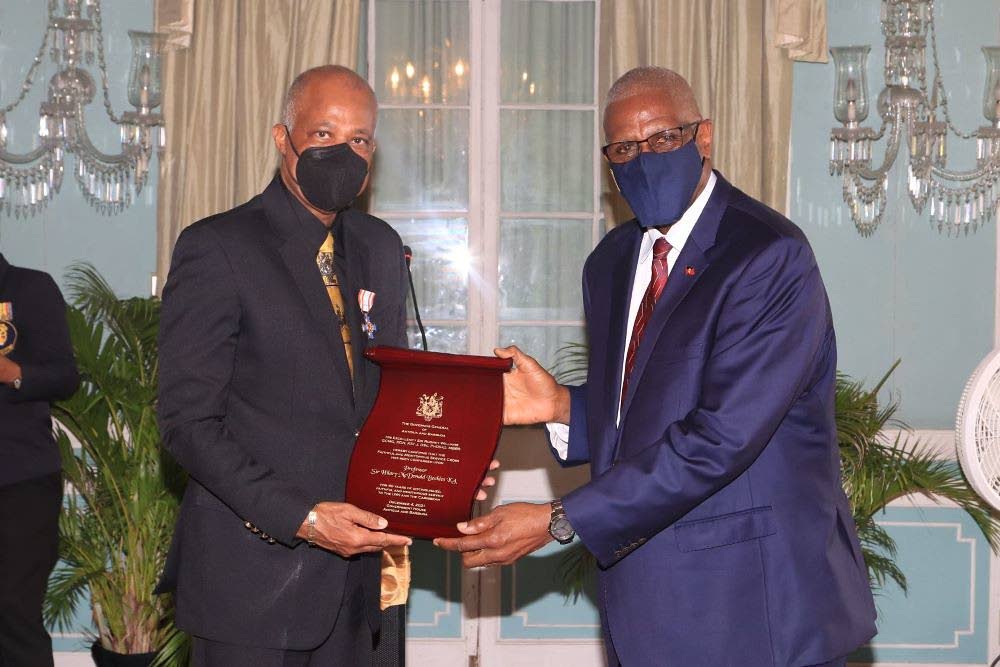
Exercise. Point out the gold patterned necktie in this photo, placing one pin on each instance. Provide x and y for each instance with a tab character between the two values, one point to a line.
395	560
324	260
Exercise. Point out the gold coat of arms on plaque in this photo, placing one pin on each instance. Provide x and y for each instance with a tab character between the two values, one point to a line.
431	407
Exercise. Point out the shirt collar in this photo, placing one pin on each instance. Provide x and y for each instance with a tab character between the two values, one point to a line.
311	227
678	233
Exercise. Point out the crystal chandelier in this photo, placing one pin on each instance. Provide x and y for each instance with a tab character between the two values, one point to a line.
915	118
109	182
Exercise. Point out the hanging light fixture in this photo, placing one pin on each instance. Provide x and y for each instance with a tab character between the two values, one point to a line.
28	181
915	119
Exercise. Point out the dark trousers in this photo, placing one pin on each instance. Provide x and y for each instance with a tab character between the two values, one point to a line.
29	549
349	643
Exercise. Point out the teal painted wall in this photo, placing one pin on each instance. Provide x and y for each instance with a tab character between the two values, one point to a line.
908	292
122	247
944	615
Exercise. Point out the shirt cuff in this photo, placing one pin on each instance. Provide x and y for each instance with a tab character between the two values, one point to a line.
559	439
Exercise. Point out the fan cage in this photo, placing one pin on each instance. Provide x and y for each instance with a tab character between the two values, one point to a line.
977	429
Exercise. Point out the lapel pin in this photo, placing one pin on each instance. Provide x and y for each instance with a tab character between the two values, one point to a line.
689	271
366	300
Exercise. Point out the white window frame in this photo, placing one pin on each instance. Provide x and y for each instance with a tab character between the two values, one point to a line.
484	212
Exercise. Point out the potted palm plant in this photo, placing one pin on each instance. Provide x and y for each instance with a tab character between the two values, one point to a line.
875	470
123	496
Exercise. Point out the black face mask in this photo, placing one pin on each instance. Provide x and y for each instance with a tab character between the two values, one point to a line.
330	177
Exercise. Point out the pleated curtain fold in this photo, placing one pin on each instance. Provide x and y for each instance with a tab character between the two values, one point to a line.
224	91
737	55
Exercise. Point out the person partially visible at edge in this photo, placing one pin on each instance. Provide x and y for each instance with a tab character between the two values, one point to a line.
715	508
267	311
36	368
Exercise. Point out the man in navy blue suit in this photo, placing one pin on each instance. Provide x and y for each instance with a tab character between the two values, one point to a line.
715	508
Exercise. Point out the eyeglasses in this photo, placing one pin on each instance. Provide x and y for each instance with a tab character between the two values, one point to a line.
663	141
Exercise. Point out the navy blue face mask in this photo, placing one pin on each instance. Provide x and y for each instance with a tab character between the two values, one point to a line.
658	186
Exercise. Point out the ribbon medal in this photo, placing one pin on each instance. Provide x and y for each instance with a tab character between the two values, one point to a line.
8	334
366	300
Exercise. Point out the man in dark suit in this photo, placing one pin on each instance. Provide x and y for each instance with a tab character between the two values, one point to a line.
263	387
36	368
715	509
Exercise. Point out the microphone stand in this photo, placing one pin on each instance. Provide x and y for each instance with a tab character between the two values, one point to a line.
408	254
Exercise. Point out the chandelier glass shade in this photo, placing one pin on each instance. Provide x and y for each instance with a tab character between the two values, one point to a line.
915	121
110	182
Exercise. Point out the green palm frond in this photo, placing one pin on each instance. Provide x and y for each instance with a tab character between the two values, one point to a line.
118	518
882	568
576	567
175	650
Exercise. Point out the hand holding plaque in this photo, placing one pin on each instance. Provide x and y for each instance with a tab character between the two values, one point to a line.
428	441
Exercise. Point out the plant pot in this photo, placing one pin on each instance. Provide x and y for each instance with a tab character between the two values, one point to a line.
105	658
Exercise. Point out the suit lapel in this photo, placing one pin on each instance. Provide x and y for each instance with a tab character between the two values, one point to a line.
299	242
678	286
4	267
356	279
621	275
691	264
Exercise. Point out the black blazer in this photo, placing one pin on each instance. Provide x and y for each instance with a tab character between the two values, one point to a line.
256	403
48	373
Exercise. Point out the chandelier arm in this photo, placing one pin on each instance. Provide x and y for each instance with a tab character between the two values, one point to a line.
23	158
961	176
30	76
84	146
881	132
891	152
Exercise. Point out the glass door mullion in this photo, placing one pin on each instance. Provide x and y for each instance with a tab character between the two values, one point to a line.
597	232
489	147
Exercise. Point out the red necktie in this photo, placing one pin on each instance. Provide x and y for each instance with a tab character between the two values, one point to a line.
657	281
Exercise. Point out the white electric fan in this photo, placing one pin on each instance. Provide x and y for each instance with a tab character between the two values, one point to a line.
977	429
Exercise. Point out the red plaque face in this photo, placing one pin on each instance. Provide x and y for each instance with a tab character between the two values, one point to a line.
429	440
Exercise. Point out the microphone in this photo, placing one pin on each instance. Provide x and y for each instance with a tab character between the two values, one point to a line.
408	256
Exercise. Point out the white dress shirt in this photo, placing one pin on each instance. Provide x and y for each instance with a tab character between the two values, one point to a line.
677	235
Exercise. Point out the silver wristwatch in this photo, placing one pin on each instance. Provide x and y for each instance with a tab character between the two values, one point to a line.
560	528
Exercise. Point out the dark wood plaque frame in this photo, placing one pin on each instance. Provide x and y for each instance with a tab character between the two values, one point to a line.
428	441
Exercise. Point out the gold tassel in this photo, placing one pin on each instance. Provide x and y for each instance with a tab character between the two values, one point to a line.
395	576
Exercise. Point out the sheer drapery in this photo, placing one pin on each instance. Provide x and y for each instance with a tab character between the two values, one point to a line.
548	209
224	92
738	58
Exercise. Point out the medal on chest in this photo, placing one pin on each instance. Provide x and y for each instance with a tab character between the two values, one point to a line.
8	333
366	300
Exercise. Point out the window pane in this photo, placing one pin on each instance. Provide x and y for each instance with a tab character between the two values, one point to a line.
440	266
540	267
440	339
422	52
546	160
421	160
547	53
541	342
